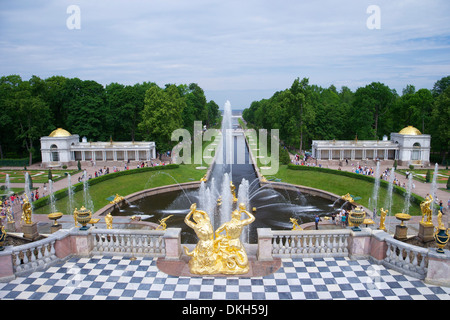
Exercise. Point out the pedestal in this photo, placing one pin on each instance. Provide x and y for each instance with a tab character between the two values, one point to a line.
11	227
401	232
30	230
55	227
426	232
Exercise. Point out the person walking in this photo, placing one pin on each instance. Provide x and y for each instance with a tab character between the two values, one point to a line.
316	220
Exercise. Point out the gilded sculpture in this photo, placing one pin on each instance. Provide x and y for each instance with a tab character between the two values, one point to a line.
26	210
383	219
295	225
109	221
425	207
162	223
223	254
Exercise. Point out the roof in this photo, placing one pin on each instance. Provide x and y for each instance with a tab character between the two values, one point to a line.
410	131
60	133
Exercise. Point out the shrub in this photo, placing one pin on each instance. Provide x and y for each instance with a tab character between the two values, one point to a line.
428	176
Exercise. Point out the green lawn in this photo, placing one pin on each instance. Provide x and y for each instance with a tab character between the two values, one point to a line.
128	184
341	185
38	176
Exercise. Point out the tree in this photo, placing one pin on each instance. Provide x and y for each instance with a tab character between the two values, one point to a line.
440	124
440	86
32	118
371	103
162	115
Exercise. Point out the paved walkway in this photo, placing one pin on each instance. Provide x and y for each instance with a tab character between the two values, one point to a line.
114	277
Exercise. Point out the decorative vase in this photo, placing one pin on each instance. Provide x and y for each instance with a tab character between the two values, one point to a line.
55	216
356	217
83	217
441	237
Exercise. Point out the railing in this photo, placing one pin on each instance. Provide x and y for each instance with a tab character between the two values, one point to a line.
124	241
310	243
34	255
406	258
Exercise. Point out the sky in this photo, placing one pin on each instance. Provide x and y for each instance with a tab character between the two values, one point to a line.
241	51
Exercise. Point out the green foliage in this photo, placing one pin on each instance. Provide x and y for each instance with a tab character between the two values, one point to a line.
428	176
306	112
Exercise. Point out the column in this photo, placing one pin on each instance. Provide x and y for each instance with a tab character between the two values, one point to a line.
83	155
353	154
341	155
125	155
386	153
363	156
375	154
93	155
104	155
136	155
330	154
148	155
115	155
154	153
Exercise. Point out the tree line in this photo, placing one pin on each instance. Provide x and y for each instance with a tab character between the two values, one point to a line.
306	112
33	108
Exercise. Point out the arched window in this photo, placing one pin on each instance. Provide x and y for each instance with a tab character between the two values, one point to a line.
415	155
54	153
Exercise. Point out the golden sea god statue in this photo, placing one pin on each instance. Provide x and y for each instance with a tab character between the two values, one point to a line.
225	254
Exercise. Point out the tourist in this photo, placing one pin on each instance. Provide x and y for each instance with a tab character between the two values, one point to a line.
316	220
343	220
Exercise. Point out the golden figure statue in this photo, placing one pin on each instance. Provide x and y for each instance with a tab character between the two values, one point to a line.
109	221
204	178
75	215
117	199
440	223
162	223
383	219
233	191
295	225
9	216
229	247
203	258
426	211
348	198
26	211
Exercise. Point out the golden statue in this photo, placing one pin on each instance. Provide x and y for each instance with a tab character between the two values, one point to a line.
75	215
9	216
383	219
26	210
162	223
203	258
204	178
233	192
440	223
229	247
109	221
295	225
426	211
117	199
348	198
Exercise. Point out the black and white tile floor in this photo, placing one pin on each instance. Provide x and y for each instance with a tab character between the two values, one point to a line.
104	278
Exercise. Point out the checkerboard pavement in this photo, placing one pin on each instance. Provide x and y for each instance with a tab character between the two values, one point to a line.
113	277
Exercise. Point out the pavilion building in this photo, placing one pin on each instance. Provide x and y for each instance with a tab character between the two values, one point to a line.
409	146
63	148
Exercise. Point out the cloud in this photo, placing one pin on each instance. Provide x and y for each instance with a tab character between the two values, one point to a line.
234	47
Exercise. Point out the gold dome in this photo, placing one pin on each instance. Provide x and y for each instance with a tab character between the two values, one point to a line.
60	133
410	131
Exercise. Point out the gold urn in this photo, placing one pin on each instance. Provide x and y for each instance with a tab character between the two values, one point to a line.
356	217
83	217
55	216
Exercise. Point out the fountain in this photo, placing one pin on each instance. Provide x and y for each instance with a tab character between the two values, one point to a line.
70	193
7	185
408	194
388	201
376	187
88	204
433	187
52	196
274	207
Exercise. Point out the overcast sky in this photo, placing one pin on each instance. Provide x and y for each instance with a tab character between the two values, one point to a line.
240	51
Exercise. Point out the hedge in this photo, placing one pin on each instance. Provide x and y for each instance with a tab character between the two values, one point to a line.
41	202
399	190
